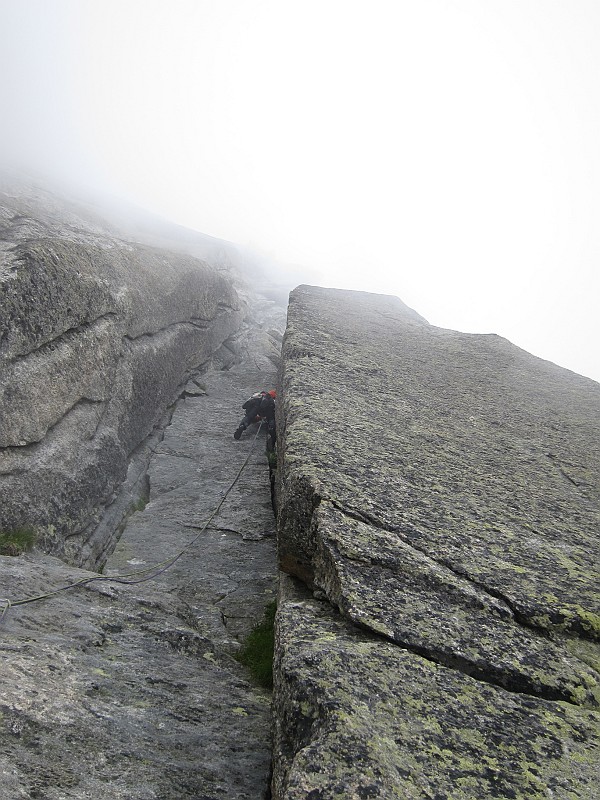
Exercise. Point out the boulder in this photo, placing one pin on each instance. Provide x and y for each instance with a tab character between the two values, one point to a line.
439	501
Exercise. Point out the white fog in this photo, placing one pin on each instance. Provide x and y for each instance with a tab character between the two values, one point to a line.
442	151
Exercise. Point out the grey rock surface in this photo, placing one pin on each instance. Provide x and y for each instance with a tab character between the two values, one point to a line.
99	335
439	494
132	691
357	716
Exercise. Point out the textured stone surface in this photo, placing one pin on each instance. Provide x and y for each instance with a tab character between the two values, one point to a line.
442	492
98	337
132	692
358	717
230	573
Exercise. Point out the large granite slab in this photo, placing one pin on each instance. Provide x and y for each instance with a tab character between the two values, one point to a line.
440	497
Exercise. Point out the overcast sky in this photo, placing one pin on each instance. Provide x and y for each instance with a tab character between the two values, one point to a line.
446	151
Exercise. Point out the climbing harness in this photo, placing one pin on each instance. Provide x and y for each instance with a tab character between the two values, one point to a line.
132	577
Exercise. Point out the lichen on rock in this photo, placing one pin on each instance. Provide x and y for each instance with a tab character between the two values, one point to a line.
441	491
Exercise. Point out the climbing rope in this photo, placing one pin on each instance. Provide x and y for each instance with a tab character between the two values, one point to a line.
133	577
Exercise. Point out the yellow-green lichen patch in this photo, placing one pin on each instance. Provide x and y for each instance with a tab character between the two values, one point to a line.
458	443
586	651
392	589
460	454
389	722
577	617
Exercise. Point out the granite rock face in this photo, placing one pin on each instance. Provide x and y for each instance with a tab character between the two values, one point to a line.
133	692
123	369
439	509
99	335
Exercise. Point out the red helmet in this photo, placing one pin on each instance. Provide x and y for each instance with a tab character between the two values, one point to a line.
273	393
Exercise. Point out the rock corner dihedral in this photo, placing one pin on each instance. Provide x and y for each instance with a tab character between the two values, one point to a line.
122	369
437	497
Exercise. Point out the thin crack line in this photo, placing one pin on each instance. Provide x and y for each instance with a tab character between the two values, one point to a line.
461	574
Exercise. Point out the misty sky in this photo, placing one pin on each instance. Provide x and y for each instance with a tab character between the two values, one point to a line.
446	151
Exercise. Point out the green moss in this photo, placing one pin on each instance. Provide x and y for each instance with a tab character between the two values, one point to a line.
15	542
257	651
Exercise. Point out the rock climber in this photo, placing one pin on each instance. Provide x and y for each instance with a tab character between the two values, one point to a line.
261	406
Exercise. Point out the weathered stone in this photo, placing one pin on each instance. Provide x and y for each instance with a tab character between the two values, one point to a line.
133	691
442	491
191	470
98	337
387	586
358	717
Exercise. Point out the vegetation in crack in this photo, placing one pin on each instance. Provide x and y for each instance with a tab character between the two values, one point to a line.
256	652
17	541
140	504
